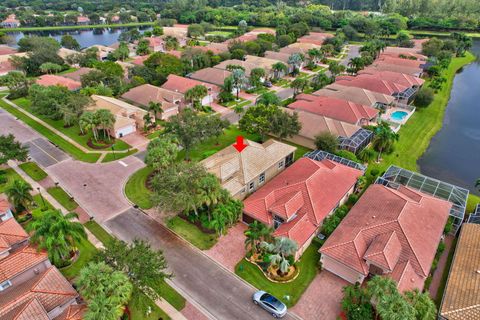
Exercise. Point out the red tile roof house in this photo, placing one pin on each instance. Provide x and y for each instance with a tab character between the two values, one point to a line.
211	75
54	80
77	74
388	232
156	44
142	95
296	201
10	22
400	61
334	108
140	60
398	52
383	66
317	38
181	85
82	20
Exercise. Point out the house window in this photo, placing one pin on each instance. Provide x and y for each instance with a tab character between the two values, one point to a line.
289	160
281	164
4	285
261	179
251	186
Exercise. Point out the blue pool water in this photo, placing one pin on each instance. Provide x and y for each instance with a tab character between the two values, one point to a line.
398	115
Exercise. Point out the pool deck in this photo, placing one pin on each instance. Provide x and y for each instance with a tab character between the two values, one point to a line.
396	123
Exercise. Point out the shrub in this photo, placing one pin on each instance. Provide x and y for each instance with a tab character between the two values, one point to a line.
448	226
352	199
347	155
327	142
424	97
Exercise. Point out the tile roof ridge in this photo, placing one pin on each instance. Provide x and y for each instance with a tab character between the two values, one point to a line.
27	304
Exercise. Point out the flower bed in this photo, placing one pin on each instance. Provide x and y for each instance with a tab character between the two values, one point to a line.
271	272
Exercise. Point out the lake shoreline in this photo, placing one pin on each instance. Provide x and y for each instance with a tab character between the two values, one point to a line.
83	27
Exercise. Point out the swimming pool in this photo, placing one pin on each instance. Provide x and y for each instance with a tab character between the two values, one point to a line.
398	115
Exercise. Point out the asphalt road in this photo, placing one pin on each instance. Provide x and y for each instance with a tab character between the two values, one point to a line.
217	290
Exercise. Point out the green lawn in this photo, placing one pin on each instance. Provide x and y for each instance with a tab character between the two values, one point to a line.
47	133
136	190
225	34
11	175
72	132
289	292
155	134
192	234
473	200
138	307
63	198
212	145
98	231
33	170
40	202
87	251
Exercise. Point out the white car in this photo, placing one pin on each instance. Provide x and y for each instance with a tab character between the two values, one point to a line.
268	302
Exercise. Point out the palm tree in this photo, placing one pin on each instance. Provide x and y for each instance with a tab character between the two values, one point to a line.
253	236
424	306
18	194
394	307
87	122
278	68
379	287
106	120
366	155
361	183
147	121
57	233
295	60
356	64
210	192
195	94
384	138
298	85
238	80
282	248
156	108
315	55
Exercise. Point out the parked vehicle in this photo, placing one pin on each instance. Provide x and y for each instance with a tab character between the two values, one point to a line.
268	302
268	84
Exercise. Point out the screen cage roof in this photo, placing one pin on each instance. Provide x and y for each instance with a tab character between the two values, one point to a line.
319	155
475	217
358	140
396	176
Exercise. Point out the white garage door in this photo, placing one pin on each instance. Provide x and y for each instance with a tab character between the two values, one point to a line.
122	132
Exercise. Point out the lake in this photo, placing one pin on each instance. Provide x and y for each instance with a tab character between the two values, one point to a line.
85	37
454	152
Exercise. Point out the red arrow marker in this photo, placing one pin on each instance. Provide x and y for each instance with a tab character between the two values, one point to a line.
239	145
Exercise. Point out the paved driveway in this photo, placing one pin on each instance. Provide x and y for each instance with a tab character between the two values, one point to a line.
219	292
353	51
98	188
230	248
284	93
322	298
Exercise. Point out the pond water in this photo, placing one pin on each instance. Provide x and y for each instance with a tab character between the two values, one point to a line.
454	152
85	37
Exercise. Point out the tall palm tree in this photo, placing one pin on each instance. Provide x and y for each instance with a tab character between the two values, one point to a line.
278	68
424	306
195	95
366	155
87	122
477	184
394	307
253	236
106	120
384	138
147	121
238	80
156	108
18	194
356	64
379	287
57	233
295	60
315	55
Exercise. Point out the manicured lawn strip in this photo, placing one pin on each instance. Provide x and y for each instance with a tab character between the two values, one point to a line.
63	198
72	132
136	191
33	170
294	289
416	134
192	234
98	231
443	283
11	175
118	155
60	142
213	145
138	306
93	26
87	251
39	202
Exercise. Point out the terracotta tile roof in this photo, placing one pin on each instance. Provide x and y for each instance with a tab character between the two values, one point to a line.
50	288
6	67
261	62
382	66
400	61
372	84
32	310
11	233
308	189
317	38
280	56
334	108
354	94
4	206
314	124
140	60
20	261
73	312
217	47
299	47
235	169
461	299
82	19
417	220
211	75
77	74
181	84
396	77
155	41
248	66
396	52
54	80
384	250
146	93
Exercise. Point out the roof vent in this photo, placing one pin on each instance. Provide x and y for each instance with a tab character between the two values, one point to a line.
412	280
373	217
478	271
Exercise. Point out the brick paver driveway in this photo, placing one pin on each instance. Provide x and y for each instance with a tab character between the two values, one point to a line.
98	188
230	248
322	298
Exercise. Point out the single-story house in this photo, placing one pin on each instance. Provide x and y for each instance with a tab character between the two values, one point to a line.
128	118
382	66
317	38
6	50
388	232
181	85
279	56
461	299
262	62
6	53
10	22
142	95
400	61
299	47
361	96
138	61
211	75
248	66
314	124
103	51
398	52
178	32
77	74
241	173
156	44
64	53
418	44
400	92
82	20
397	77
296	201
216	48
334	108
54	80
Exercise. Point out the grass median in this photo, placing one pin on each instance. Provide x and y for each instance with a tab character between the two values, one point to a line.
136	190
33	171
192	233
63	198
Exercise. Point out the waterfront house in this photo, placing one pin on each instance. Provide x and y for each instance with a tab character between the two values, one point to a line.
10	22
